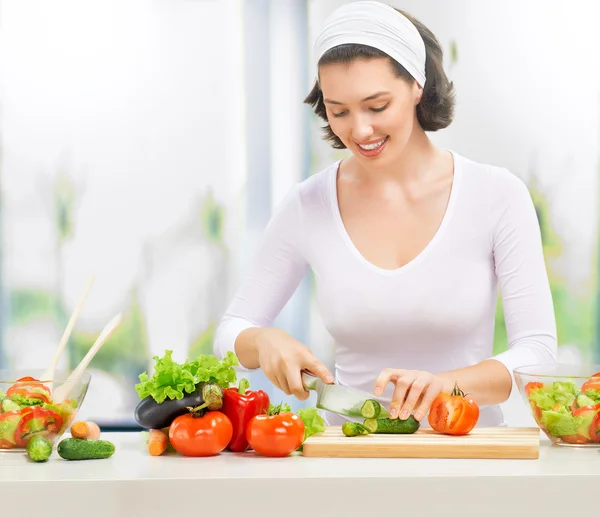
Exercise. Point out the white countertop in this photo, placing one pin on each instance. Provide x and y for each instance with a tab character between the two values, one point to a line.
131	483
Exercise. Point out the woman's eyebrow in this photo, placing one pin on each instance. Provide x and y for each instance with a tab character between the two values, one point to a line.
369	98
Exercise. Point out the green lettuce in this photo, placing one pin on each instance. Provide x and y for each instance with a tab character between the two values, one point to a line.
560	422
560	393
172	380
22	400
8	426
564	392
594	395
313	422
542	398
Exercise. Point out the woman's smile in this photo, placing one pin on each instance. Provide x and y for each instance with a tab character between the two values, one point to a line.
372	148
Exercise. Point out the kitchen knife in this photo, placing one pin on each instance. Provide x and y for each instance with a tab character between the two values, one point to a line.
338	399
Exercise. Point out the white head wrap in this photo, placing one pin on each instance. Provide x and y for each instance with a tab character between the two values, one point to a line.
377	25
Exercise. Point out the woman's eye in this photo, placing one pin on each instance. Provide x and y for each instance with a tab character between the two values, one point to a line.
380	109
340	114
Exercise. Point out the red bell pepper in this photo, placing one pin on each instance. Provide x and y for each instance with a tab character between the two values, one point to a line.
242	405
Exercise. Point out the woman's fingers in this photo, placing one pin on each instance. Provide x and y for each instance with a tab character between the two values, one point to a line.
403	386
432	391
414	394
318	369
387	375
282	384
294	381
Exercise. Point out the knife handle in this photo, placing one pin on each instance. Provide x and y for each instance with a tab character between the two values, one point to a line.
309	380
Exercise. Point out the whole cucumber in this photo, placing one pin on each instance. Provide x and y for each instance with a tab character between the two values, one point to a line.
78	449
152	415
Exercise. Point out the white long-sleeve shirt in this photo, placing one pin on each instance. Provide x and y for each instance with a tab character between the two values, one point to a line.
435	313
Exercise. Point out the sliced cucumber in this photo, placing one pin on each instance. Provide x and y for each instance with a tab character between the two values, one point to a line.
354	429
392	426
370	409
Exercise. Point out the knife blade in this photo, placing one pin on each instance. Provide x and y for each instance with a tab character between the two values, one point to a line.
338	399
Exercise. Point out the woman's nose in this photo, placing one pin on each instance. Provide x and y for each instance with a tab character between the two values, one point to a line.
361	128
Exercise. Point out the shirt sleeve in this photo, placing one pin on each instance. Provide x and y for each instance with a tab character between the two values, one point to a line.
276	270
523	280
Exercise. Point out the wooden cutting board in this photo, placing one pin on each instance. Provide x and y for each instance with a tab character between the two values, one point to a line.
484	442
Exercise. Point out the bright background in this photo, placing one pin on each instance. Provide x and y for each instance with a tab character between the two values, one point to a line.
148	141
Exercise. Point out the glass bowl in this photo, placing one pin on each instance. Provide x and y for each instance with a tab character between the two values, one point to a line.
28	408
564	400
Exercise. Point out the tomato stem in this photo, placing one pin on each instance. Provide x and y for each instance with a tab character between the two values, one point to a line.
457	391
276	410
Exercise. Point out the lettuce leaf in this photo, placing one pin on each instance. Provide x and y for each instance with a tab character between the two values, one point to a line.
22	400
560	422
559	393
594	395
542	398
172	380
564	392
313	422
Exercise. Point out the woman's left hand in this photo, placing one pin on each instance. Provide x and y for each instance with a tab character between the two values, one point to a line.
414	390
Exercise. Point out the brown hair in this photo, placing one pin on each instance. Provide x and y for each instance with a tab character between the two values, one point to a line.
436	108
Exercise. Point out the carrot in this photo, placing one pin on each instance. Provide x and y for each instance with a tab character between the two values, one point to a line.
158	442
85	430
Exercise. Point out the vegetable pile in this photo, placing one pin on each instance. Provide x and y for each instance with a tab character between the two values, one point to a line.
565	411
195	409
27	410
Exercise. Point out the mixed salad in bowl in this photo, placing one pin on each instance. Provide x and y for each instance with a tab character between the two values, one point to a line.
566	408
27	409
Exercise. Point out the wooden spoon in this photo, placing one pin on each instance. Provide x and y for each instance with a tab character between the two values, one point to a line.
48	374
64	390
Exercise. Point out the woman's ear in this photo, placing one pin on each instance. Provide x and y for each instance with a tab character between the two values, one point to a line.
418	92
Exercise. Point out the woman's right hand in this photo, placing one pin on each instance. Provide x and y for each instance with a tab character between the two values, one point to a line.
282	359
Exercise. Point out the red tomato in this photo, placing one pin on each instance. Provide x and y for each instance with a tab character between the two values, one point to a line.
31	388
5	444
537	413
574	438
531	386
595	428
206	435
37	420
10	420
453	413
580	410
275	435
592	384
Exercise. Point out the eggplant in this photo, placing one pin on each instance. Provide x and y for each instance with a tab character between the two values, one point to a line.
152	415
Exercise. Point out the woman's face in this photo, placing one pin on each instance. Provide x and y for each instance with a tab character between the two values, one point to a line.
370	109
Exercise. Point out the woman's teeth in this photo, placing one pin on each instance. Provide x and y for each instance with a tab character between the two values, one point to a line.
370	147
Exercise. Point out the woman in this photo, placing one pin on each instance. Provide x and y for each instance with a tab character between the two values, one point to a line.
408	243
